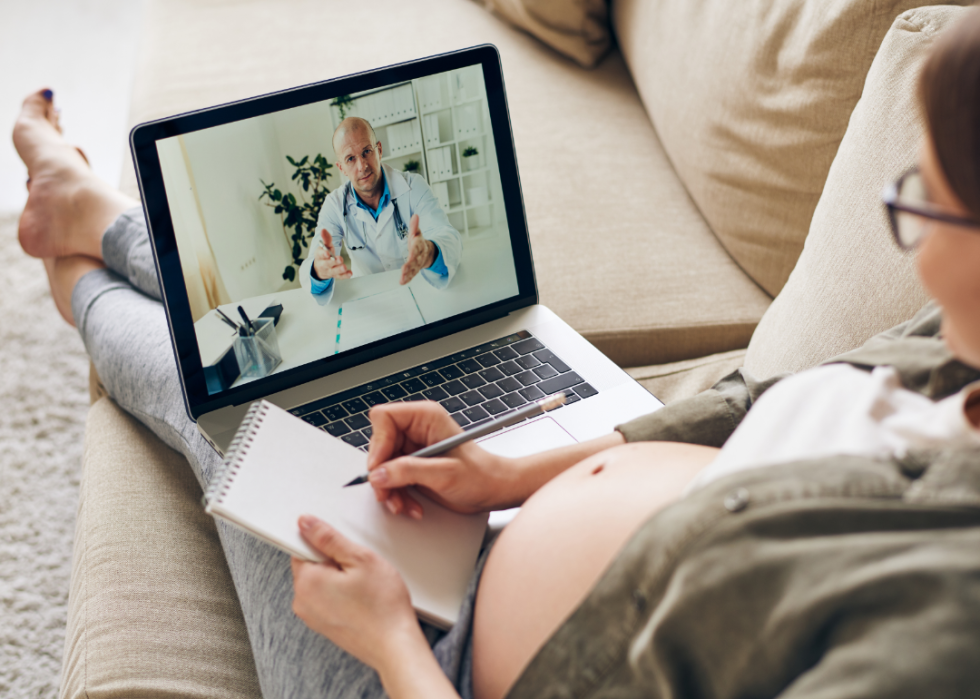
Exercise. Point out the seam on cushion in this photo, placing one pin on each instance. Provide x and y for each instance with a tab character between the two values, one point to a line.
914	21
631	330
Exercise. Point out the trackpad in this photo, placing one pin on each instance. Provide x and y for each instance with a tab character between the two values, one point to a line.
537	436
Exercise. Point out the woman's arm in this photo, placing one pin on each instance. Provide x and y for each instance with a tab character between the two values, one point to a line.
466	479
359	601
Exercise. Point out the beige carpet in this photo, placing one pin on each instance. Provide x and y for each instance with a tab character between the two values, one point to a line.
44	399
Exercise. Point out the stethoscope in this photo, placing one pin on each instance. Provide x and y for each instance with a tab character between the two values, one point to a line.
400	228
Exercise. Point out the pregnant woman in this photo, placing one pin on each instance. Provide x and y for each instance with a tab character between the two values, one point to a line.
810	536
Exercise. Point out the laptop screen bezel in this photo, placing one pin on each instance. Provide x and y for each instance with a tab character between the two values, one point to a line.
143	140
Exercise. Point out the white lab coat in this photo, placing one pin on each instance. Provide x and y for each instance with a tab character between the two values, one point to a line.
380	247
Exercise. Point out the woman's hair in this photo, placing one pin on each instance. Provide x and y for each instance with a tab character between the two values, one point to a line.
949	88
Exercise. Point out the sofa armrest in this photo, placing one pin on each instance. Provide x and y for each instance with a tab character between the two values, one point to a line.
152	610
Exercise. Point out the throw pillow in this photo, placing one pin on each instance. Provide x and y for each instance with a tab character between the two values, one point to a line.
578	29
852	281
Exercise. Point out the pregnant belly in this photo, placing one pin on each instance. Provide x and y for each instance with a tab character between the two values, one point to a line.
546	561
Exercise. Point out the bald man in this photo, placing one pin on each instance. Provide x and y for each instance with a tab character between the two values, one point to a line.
387	219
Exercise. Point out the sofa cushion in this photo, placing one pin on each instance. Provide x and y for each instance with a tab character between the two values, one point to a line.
678	380
620	250
852	281
750	101
152	610
577	28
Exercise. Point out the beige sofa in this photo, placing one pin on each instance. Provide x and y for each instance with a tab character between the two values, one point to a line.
718	156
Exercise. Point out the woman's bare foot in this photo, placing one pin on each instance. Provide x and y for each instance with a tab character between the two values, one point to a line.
68	208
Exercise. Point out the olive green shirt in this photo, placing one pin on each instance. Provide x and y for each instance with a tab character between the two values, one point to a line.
828	578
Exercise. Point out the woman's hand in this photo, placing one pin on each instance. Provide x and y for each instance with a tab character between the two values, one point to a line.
467	479
356	598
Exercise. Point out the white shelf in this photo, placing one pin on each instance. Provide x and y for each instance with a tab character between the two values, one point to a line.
435	119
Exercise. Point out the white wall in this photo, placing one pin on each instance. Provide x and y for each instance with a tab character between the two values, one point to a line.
227	163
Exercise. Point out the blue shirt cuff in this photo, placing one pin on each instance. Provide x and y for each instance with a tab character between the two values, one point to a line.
439	266
317	286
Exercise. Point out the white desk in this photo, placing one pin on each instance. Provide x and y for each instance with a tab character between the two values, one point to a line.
307	331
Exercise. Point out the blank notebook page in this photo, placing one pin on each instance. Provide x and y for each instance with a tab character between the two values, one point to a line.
283	467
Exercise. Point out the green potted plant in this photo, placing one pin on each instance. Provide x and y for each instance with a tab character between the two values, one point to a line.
344	104
298	216
412	166
470	162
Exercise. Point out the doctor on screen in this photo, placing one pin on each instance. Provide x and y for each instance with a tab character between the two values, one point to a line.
387	219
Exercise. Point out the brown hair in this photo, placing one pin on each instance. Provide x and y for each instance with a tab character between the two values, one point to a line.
949	88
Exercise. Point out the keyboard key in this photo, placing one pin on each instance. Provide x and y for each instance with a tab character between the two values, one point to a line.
573	398
513	400
487	359
528	362
476	413
453	404
412	385
545	371
472	398
491	391
460	419
453	388
527	346
337	429
585	390
560	382
355	405
473	381
394	392
474	424
509	384
414	396
315	419
432	379
547	356
505	353
527	378
470	366
373	399
510	368
355	439
451	372
435	394
494	407
358	422
531	393
335	412
368	431
492	374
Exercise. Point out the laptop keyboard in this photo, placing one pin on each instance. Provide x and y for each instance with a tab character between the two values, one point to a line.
474	386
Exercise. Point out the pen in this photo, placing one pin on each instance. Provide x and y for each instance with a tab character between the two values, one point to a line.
541	406
241	312
228	320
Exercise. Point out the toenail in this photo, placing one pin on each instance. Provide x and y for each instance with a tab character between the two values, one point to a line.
48	94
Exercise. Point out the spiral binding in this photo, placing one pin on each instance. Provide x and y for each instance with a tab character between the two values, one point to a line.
236	453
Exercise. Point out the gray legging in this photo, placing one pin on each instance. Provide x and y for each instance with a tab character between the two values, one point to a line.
124	328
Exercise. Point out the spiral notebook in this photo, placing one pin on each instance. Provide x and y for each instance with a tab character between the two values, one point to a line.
279	467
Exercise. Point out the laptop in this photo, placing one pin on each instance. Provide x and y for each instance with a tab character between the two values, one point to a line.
235	198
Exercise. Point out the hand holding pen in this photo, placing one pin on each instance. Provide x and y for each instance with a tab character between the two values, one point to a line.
470	480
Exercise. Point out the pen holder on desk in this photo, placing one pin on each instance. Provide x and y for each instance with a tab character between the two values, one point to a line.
258	355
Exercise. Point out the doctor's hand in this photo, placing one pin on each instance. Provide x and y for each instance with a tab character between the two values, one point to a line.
421	252
466	479
327	264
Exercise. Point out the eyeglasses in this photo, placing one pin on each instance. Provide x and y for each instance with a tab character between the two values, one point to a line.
911	213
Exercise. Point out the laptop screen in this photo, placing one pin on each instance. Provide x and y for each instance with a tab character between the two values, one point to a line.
340	228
